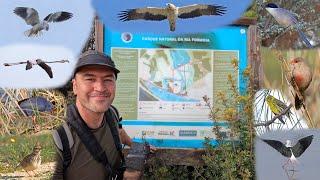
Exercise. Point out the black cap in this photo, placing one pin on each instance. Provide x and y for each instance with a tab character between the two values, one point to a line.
92	57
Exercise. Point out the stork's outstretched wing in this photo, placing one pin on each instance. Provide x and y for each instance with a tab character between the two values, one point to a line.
45	67
279	146
196	10
148	13
12	64
30	15
302	145
29	65
58	16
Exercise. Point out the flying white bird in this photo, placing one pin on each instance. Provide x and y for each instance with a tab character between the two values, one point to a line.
171	12
31	17
42	64
286	19
287	150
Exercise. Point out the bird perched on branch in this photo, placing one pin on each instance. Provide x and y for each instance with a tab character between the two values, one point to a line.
277	107
31	17
286	19
32	161
171	12
290	151
302	76
41	63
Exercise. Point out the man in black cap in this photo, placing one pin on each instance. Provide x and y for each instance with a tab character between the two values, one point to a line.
89	143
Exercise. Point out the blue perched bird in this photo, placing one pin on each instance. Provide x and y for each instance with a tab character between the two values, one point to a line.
35	104
286	18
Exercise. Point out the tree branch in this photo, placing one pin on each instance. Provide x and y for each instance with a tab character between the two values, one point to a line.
285	111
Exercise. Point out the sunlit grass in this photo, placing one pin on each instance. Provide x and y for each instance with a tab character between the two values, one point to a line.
15	148
18	134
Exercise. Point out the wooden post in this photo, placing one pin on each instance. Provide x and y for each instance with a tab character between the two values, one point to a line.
254	58
98	34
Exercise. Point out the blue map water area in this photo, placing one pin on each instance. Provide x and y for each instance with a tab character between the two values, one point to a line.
179	58
164	95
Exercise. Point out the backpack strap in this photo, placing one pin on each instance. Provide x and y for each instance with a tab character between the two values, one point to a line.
112	114
116	115
66	149
87	137
57	137
64	141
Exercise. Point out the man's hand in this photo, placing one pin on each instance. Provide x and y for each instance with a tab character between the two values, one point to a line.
153	149
124	138
131	174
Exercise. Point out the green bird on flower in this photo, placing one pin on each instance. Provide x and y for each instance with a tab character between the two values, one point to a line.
277	107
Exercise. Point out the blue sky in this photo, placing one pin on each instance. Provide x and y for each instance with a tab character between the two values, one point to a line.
108	12
17	77
64	40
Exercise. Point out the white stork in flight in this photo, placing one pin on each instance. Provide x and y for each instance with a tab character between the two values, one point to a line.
42	64
171	12
31	17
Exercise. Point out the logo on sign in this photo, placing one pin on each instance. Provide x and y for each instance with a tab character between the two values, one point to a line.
188	133
205	133
166	133
126	37
147	133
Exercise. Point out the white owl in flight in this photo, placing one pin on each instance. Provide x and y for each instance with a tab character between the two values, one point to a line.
31	17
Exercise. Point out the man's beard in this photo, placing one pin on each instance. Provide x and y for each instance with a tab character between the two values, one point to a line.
98	106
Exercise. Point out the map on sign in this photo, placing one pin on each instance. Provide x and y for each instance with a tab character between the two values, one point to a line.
172	82
174	75
164	78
